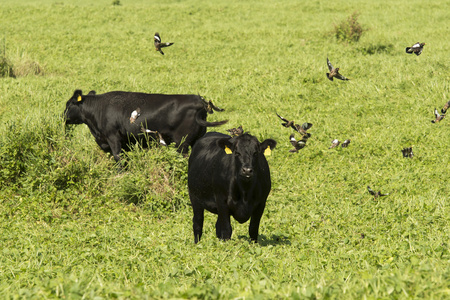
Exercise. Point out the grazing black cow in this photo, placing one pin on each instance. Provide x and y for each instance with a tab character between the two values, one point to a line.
119	119
229	176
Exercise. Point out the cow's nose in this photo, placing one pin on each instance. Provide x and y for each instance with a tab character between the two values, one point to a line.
247	171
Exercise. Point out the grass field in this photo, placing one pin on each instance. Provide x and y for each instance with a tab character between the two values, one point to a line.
72	227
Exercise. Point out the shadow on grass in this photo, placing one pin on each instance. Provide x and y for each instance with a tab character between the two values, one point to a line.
273	240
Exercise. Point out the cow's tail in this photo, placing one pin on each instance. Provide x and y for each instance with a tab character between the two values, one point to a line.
209	107
205	123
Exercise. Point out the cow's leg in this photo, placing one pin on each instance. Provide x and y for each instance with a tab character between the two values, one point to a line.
197	221
223	224
223	228
253	228
116	147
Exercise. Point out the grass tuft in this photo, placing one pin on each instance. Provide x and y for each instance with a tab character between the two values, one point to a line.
349	30
6	68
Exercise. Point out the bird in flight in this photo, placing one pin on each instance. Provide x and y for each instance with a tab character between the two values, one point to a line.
158	44
334	72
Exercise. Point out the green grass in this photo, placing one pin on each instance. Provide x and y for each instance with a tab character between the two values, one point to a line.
73	227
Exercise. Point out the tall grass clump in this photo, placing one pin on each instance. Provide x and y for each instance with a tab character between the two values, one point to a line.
18	67
349	30
6	69
25	66
154	178
33	157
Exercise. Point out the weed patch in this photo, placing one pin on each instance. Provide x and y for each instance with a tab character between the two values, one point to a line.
155	178
349	30
6	68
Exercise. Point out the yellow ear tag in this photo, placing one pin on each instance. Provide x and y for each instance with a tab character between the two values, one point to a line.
79	98
228	150
267	152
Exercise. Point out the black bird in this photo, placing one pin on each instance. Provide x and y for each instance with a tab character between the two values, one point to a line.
407	152
286	123
297	144
446	106
236	131
334	143
438	116
375	194
334	72
417	48
158	44
345	143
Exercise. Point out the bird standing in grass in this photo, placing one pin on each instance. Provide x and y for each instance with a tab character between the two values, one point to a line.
375	194
407	152
334	143
417	48
438	116
345	143
158	44
334	72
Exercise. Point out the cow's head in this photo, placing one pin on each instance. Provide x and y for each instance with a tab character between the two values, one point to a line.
72	114
246	151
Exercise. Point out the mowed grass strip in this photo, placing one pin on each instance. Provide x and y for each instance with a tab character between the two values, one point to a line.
73	227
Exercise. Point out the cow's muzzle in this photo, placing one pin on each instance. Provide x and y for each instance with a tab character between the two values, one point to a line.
246	172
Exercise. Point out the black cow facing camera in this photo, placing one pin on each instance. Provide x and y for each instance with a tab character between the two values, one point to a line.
229	176
120	119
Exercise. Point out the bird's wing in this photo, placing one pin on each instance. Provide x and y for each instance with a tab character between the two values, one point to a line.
330	66
306	126
165	45
292	140
339	76
370	190
285	120
446	106
436	114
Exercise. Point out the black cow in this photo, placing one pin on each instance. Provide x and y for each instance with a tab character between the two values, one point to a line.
119	119
229	176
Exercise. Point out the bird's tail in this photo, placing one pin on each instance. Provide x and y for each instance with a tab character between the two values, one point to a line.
210	108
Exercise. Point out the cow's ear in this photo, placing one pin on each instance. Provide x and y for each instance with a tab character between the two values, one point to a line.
78	95
267	146
226	145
